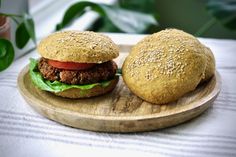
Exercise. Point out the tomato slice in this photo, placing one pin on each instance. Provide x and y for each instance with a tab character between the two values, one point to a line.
70	65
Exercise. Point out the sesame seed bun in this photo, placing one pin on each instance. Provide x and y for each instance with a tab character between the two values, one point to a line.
164	66
75	46
95	91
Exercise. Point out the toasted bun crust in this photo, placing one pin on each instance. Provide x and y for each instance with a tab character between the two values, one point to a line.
164	66
210	65
96	91
75	46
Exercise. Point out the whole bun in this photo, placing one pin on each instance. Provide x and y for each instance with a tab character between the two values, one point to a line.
164	66
75	46
95	91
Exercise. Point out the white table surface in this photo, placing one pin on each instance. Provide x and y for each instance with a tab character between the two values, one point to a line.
23	132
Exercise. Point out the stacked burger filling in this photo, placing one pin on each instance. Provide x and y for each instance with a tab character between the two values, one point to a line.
77	73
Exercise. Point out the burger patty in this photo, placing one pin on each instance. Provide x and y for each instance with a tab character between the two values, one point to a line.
98	73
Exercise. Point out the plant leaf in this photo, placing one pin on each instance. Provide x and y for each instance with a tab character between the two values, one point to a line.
22	36
125	20
6	54
103	25
129	21
224	11
25	31
56	86
3	50
29	25
72	13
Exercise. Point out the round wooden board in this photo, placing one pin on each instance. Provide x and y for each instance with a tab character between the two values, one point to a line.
120	110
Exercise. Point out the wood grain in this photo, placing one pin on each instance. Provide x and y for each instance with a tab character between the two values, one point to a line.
120	110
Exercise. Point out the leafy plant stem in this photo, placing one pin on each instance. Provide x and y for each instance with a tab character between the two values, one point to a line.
206	27
15	20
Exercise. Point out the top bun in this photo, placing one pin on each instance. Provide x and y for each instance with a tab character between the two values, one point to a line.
75	46
164	66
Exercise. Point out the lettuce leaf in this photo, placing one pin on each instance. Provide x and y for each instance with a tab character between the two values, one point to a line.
56	86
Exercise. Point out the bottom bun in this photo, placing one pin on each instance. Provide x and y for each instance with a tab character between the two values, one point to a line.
95	91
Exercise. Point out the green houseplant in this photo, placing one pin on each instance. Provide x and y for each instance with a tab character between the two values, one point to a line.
134	17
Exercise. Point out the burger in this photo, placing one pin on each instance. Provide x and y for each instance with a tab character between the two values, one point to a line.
75	64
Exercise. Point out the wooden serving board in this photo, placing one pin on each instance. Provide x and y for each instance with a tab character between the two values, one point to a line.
120	110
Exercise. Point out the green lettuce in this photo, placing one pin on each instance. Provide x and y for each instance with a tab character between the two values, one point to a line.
56	86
